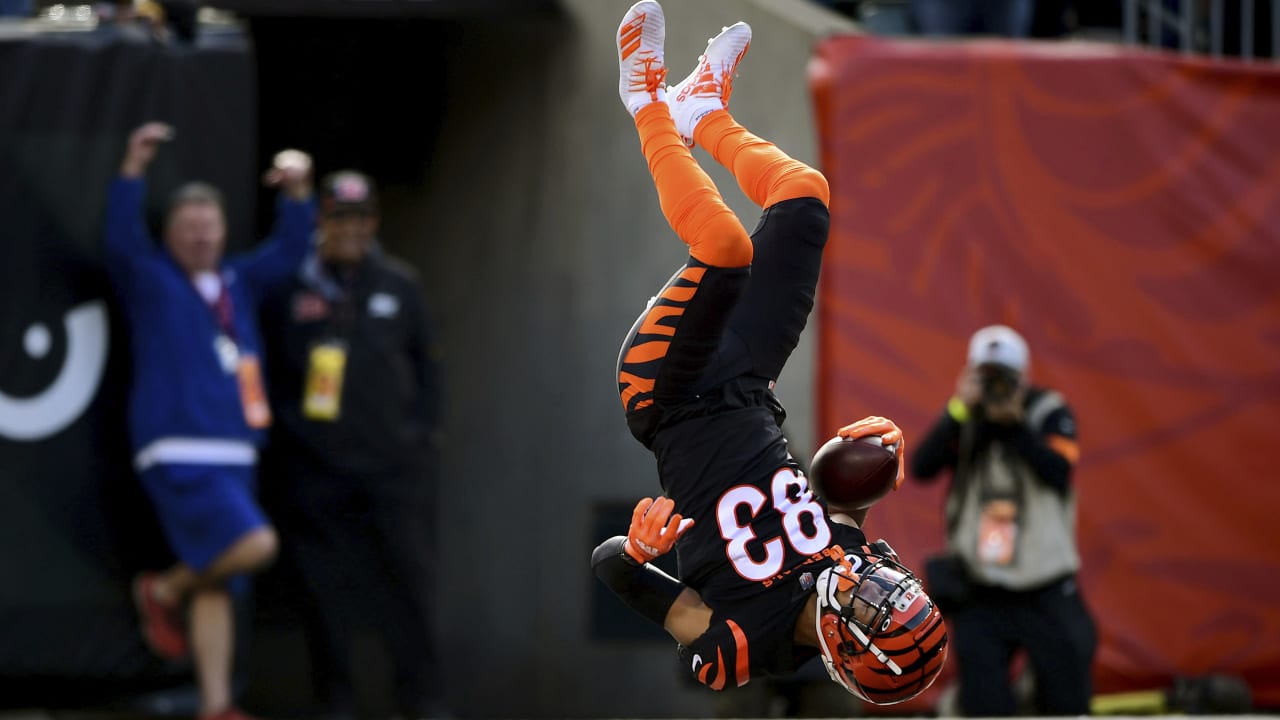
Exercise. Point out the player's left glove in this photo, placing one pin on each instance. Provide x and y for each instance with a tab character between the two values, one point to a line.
890	436
654	529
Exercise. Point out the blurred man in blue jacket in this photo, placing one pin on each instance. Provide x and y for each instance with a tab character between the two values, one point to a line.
198	406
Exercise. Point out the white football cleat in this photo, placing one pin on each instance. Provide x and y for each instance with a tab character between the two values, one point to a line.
709	86
641	72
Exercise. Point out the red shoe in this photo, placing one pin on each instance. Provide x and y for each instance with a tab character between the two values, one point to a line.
230	713
163	627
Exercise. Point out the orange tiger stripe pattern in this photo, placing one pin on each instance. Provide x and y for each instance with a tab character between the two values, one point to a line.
743	666
653	320
704	675
740	659
644	352
638	369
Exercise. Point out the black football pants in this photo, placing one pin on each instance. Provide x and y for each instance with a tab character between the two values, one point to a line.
709	325
365	556
1052	625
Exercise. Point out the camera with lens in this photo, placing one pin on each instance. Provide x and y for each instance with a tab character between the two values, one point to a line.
998	383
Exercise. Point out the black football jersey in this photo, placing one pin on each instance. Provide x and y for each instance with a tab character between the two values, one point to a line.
757	521
757	546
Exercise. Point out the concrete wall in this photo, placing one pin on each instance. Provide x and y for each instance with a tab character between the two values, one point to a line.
540	238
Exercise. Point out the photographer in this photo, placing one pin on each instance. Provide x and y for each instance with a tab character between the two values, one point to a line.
1007	581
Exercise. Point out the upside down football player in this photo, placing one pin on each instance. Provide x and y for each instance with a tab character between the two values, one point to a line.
769	575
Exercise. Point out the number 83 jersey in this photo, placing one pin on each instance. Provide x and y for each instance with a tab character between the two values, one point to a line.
759	528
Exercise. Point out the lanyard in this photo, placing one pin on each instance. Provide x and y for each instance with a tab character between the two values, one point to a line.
224	316
224	311
343	297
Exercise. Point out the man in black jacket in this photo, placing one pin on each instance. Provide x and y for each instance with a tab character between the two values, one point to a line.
1011	447
356	396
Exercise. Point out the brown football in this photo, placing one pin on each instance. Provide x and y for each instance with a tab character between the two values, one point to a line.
853	474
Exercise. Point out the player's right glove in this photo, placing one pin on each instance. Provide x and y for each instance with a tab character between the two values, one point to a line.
890	436
654	529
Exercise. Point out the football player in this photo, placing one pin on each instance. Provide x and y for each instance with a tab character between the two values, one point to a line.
769	578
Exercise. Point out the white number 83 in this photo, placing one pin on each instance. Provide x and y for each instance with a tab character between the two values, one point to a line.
792	498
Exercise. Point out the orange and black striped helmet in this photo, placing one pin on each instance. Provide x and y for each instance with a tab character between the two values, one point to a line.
881	636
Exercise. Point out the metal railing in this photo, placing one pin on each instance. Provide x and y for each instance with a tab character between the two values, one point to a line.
1199	26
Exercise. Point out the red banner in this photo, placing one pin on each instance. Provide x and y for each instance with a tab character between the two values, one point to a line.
1122	210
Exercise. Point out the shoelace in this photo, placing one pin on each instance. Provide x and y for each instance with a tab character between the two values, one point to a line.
729	75
650	80
726	87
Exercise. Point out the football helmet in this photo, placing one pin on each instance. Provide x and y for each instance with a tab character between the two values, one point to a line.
882	638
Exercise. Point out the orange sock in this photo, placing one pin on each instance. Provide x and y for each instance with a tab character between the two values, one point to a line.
766	174
689	199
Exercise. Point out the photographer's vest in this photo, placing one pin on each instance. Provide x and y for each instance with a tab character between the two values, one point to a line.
1010	528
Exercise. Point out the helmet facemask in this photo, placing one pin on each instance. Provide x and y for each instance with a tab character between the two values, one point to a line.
881	637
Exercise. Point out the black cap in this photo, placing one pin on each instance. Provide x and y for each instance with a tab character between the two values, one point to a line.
348	191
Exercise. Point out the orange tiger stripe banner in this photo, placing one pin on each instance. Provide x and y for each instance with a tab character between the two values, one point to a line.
1122	210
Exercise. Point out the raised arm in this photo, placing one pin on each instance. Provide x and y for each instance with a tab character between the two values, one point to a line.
279	256
125	235
624	564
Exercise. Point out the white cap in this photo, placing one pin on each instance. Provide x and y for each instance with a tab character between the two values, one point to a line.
1001	345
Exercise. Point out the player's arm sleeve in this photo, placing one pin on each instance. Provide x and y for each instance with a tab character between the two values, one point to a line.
644	588
1052	452
938	449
